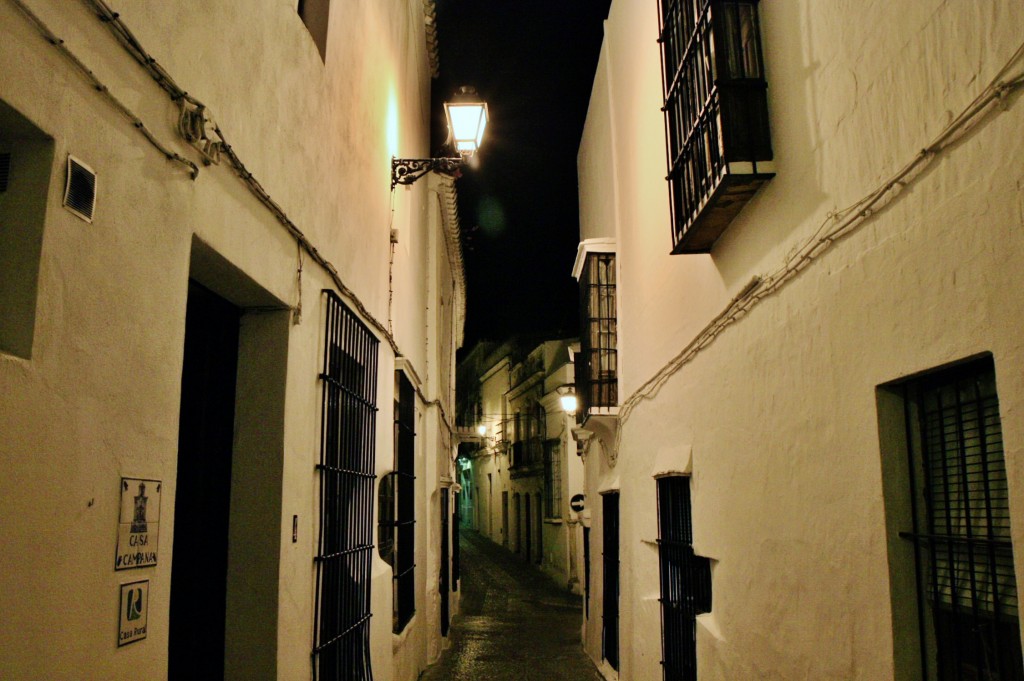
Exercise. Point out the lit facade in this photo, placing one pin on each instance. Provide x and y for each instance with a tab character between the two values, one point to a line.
796	387
225	349
522	471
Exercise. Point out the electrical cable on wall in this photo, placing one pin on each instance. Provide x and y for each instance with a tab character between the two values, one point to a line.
213	149
136	122
198	128
222	147
297	312
837	225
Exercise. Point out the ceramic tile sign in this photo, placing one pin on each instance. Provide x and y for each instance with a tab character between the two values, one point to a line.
139	524
134	612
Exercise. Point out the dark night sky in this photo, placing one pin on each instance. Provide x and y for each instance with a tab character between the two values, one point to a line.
533	62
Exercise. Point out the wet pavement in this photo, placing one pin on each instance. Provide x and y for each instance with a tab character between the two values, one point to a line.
515	623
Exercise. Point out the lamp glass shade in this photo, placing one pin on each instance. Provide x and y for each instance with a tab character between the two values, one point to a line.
568	403
467	121
481	430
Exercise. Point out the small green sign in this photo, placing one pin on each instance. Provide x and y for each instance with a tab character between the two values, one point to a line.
134	612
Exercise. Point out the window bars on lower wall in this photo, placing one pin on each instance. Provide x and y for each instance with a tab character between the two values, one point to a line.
967	592
685	580
597	360
341	645
553	479
610	560
404	564
443	576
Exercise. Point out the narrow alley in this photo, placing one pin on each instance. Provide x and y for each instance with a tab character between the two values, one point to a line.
451	340
515	623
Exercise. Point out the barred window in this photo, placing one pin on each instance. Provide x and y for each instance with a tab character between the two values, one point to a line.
443	585
552	479
967	592
341	646
386	518
405	503
716	115
528	429
597	361
685	580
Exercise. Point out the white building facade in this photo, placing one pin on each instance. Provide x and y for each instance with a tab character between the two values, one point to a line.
802	430
521	465
221	332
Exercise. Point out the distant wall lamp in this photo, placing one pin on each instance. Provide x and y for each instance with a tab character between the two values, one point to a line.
567	398
467	118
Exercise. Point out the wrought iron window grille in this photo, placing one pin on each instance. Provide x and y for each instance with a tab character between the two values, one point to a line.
718	143
597	361
341	645
444	575
404	582
968	615
685	580
527	429
552	479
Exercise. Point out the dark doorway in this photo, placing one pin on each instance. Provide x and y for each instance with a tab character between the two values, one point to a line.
443	578
519	522
203	492
526	525
586	572
504	518
539	514
610	633
456	546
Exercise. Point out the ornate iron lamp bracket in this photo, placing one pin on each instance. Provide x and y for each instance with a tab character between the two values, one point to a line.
408	170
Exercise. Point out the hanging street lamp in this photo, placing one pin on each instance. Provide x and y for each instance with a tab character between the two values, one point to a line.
467	117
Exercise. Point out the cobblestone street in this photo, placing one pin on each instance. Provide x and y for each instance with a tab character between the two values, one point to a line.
515	623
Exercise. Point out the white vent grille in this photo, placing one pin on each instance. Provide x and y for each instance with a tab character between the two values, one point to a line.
80	189
5	170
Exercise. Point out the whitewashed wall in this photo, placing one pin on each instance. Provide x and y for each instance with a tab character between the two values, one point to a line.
779	413
558	538
99	397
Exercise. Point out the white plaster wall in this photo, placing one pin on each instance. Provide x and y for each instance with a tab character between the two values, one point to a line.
427	320
100	397
595	164
599	478
492	461
556	541
487	517
780	410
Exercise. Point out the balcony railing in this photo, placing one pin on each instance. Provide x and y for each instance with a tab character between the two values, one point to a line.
527	453
716	116
597	359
